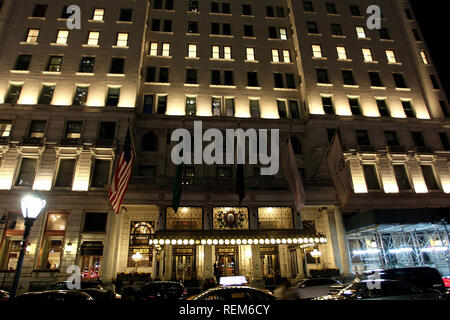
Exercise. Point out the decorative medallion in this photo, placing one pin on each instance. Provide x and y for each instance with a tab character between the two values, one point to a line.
231	219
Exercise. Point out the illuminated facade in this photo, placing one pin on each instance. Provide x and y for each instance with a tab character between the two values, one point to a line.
304	67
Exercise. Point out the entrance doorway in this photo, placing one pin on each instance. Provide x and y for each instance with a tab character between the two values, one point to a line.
270	264
183	262
228	260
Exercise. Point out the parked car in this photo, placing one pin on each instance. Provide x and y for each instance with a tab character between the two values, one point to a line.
244	293
92	288
158	290
55	296
383	289
4	295
316	287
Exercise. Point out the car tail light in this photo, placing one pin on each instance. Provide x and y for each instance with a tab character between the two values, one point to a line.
184	292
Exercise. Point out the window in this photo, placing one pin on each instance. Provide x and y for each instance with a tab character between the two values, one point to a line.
54	64
252	79
367	54
248	31
390	55
272	33
126	15
362	138
73	130
215	28
216	105
228	77
32	36
46	95
226	29
140	235
191	76
391	139
112	97
254	108
216	52
354	10
399	80
354	106
286	56
62	36
382	107
275	55
193	6
154	48
215	77
191	106
416	34
95	222
408	14
107	130
246	10
23	62
280	12
250	54
100	176
80	98
331	8
156	24
361	33
317	51
401	176
322	76
65	173
227	52
162	104
293	109
149	101
336	29
192	51
371	176
122	39
117	66
407	107
37	129
342	53
150	142
64	14
418	139
290	81
93	38
308	6
444	108
327	104
375	80
384	34
347	76
13	93
165	50
429	177
5	128
164	75
39	11
27	172
278	78
424	57
157	4
52	243
167	26
282	110
87	65
434	82
98	14
270	12
312	27
229	107
442	135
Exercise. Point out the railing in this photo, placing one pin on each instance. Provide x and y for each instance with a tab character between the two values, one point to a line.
366	148
32	141
396	149
4	140
424	150
71	142
105	142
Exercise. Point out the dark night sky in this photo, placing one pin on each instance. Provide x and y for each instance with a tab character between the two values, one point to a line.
435	25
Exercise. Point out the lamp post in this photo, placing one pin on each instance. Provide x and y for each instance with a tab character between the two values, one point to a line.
136	258
316	254
32	206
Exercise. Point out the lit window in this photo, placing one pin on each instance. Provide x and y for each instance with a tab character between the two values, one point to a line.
166	49
192	51
215	52
98	14
367	53
227	52
191	106
286	56
62	37
424	56
283	34
32	36
342	53
250	54
122	39
317	51
93	38
361	32
390	54
5	128
275	55
154	49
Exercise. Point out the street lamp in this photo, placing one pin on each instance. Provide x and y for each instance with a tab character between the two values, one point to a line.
136	258
32	206
316	254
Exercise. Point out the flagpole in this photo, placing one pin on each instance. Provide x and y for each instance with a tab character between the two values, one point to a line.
132	140
325	153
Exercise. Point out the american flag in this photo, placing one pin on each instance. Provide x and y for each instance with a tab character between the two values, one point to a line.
122	175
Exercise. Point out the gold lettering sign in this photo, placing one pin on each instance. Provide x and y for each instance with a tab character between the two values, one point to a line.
184	219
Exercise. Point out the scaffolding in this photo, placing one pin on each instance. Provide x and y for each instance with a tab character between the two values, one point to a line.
398	246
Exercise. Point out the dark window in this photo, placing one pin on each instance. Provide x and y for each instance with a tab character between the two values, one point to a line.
26	173
169	4
215	77
278	78
331	8
64	14
347	76
362	137
162	105
226	8
157	4
273	33
87	64
193	6
228	78
407	107
444	140
156	24
402	178
254	108
399	80
192	27
417	36
149	142
418	139
37	129
125	14
46	95
164	75
375	80
54	63
40	10
434	82
151	74
100	176
215	28
290	80
354	106
430	177
229	106
149	101
308	6
226	29
107	130
246	10
117	65
270	12
354	10
336	29
382	107
215	8
191	76
370	174
248	31
384	33
312	27
280	12
327	103
65	173
167	27
252	79
391	139
293	109
73	129
322	76
444	109
95	222
282	111
112	97
408	14
23	62
296	146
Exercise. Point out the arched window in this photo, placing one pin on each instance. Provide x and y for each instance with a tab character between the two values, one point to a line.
150	142
296	145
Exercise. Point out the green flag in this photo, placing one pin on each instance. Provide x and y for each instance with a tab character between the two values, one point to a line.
176	196
240	182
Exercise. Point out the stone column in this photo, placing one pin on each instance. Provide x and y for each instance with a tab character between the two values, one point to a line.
110	246
283	256
208	261
342	242
154	264
301	270
256	262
